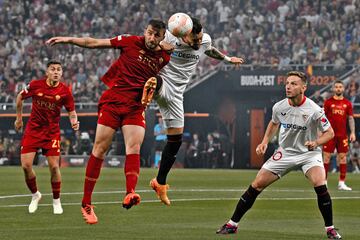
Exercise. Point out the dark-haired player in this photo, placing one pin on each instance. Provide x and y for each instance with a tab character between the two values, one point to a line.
172	82
299	119
43	131
121	106
338	110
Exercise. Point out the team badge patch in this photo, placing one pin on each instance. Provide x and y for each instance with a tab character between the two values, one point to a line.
305	117
57	97
40	94
277	156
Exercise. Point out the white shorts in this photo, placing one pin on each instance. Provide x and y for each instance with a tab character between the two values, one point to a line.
170	101
282	162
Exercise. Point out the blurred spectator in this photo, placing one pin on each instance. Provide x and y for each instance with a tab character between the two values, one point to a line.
193	154
318	99
355	156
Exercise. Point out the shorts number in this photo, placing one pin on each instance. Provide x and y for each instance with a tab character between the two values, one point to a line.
55	143
345	142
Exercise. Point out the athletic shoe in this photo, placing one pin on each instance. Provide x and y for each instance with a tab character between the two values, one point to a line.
160	190
333	234
342	186
131	199
57	208
36	197
227	228
89	214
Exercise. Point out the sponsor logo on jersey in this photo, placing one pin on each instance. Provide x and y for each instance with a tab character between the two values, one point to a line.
185	55
293	126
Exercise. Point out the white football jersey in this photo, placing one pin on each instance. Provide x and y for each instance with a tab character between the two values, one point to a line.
299	124
183	61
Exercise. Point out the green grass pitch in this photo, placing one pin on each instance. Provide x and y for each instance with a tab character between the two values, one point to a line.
202	200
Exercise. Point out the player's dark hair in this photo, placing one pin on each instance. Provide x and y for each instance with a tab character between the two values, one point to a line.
157	24
338	81
299	74
197	27
51	62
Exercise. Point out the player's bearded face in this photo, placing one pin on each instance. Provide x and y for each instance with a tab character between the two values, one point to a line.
194	40
54	72
153	36
338	89
294	87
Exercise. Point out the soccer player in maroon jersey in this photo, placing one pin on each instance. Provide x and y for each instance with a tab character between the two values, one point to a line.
120	106
338	109
43	129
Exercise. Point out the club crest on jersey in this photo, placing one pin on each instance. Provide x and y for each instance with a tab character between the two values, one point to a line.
345	106
161	60
57	97
40	94
332	105
277	156
305	117
141	51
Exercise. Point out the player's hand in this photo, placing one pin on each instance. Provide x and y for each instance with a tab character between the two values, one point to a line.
75	125
352	137
18	124
148	91
261	149
55	40
166	46
311	145
237	61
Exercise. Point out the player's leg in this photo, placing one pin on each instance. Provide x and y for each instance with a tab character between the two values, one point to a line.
54	168
316	175
342	148
27	159
263	179
328	149
103	139
133	137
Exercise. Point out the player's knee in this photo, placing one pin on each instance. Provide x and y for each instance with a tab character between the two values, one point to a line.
99	150
258	186
54	169
27	167
133	148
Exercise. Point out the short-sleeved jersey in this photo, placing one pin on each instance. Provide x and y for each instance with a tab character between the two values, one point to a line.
183	60
298	124
47	102
135	65
337	112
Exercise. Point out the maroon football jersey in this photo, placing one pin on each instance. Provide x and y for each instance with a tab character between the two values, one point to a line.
135	65
337	111
47	102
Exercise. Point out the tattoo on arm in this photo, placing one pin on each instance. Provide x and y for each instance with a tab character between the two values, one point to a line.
215	53
352	124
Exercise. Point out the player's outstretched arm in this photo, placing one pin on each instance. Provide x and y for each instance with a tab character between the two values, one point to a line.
85	42
18	124
75	124
352	129
271	130
216	54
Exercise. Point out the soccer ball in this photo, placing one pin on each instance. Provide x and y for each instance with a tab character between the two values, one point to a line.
180	24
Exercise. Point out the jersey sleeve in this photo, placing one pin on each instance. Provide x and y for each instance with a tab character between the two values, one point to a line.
274	117
206	41
326	107
350	109
122	40
323	123
69	102
28	91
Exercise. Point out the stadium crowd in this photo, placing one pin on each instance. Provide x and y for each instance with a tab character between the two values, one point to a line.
272	32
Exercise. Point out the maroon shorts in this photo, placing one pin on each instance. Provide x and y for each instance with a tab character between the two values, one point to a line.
49	146
117	109
339	142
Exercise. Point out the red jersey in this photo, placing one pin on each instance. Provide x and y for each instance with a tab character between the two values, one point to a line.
135	65
337	112
47	102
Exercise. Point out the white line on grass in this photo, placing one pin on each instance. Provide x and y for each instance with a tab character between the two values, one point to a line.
170	190
183	200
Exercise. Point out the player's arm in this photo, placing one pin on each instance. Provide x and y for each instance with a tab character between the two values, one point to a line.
75	124
326	136
270	132
216	54
18	124
85	42
352	129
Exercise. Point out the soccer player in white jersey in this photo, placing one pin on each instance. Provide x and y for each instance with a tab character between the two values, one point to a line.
171	84
299	119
